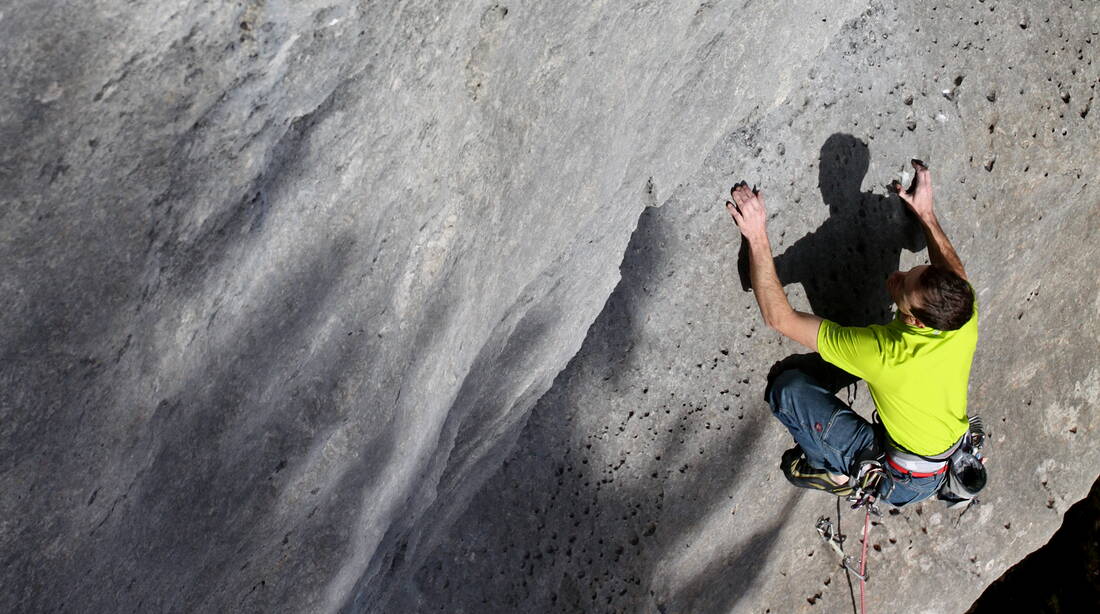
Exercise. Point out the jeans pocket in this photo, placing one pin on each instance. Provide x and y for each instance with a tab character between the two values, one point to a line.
842	428
904	488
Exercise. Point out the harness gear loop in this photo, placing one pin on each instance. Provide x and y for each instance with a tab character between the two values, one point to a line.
966	475
868	480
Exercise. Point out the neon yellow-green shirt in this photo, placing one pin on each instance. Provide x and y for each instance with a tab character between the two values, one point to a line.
917	376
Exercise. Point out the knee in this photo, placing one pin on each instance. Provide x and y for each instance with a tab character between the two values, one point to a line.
783	386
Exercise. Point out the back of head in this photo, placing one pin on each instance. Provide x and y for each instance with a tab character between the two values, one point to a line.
947	299
841	169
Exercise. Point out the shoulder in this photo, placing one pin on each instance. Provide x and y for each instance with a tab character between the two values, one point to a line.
859	350
834	335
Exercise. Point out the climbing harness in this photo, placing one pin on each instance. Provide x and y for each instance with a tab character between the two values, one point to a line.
912	464
962	465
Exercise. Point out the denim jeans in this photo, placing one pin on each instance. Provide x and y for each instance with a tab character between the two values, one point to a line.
832	436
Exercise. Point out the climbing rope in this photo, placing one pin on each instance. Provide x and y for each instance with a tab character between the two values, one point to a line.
863	560
869	485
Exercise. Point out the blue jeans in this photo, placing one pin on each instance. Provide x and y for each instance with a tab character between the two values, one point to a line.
832	436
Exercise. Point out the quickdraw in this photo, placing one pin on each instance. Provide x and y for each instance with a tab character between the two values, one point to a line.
835	539
868	480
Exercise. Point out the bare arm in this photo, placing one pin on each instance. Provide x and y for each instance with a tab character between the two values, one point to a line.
919	199
751	219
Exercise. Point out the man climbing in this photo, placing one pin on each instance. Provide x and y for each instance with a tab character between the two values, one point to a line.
917	367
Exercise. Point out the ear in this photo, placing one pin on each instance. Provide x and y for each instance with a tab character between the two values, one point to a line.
908	318
916	321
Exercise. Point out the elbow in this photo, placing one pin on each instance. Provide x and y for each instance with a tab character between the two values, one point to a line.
776	323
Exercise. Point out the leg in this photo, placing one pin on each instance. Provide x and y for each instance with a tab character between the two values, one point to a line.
830	433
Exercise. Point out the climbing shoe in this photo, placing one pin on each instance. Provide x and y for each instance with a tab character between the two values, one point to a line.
802	475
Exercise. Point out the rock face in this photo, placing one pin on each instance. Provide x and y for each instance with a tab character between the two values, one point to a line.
285	281
1062	576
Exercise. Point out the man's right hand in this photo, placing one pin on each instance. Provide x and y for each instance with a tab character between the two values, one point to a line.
919	194
919	199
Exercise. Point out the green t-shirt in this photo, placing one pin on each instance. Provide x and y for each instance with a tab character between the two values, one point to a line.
917	376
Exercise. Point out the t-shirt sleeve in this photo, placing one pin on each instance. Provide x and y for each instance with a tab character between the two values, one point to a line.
855	349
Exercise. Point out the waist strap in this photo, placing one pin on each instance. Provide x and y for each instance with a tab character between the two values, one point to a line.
947	453
916	465
919	468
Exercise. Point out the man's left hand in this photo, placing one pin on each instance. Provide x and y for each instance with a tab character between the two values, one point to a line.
748	212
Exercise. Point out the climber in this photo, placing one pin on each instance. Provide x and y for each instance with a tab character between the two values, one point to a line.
917	366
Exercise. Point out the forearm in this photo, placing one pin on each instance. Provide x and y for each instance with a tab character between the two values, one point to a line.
773	302
919	199
940	251
777	311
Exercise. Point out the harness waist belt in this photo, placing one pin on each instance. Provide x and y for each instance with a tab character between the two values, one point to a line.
914	465
947	454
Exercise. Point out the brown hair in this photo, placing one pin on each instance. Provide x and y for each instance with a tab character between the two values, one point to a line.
948	300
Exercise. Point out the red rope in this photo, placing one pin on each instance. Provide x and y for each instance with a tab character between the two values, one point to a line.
863	559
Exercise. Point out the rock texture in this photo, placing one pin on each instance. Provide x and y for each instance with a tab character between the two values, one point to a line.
1062	576
284	281
647	479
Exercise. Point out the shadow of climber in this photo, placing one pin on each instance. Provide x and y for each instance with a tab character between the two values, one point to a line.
843	264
